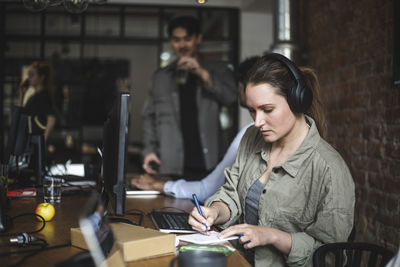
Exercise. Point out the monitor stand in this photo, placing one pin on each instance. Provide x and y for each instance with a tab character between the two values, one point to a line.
39	155
3	203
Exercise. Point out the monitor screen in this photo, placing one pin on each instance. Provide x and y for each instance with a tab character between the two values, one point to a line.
25	151
17	140
115	141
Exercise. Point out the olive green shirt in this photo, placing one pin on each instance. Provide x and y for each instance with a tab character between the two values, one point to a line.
311	196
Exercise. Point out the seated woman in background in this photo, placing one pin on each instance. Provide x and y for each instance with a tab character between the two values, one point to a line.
288	191
39	104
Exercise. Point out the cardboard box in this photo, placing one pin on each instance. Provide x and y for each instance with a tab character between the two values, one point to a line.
135	242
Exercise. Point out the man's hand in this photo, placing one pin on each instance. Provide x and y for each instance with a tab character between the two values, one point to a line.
191	64
152	157
148	182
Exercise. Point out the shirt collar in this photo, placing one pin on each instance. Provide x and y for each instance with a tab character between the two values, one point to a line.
293	164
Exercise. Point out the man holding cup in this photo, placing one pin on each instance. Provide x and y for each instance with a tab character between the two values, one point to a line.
181	130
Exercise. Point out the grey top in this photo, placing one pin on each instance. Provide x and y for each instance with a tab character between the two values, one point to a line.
310	196
161	116
252	199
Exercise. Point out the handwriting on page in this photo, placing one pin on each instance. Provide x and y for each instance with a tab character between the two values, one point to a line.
204	239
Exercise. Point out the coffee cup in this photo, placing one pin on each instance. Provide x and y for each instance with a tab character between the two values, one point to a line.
199	258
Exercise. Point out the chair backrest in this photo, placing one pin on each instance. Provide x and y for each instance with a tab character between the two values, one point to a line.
351	254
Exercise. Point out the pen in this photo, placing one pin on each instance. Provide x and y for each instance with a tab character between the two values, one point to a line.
196	202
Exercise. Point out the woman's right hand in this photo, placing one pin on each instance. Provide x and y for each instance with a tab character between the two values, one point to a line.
23	86
197	221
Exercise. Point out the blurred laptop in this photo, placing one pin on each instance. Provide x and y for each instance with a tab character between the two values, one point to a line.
98	234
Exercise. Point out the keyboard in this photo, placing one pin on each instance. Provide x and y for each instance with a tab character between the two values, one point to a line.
171	222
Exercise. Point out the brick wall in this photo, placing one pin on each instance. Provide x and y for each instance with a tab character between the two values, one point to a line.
350	44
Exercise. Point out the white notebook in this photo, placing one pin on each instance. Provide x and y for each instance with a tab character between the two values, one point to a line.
205	239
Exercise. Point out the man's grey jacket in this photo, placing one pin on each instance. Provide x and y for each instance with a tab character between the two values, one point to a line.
161	116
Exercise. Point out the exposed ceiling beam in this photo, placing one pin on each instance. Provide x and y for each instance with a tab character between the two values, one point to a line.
210	3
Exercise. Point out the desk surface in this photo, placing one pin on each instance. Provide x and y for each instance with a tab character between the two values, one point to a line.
57	232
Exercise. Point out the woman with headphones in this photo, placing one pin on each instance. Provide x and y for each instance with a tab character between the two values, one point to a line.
39	105
288	191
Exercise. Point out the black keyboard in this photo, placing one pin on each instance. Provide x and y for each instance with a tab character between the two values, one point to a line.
171	222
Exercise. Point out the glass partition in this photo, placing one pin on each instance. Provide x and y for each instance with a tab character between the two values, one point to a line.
93	51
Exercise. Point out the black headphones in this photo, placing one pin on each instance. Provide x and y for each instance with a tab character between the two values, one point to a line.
299	97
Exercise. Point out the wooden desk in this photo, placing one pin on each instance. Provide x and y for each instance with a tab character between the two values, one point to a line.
57	232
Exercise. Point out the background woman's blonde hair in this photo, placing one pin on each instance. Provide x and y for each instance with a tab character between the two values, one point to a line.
44	69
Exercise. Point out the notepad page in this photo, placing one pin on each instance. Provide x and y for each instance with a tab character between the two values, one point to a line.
205	239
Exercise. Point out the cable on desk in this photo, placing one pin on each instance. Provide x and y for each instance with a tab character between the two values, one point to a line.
138	213
32	252
80	259
26	214
122	220
43	244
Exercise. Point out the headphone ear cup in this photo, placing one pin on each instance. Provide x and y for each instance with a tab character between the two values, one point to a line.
306	98
300	97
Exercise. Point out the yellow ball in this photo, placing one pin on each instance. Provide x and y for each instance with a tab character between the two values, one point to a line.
46	210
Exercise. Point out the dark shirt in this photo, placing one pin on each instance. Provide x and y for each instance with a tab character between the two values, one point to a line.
251	214
39	106
194	166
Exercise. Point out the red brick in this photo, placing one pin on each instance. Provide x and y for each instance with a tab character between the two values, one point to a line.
353	55
392	185
393	204
392	150
375	149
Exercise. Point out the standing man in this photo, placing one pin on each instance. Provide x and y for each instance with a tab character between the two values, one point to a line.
181	130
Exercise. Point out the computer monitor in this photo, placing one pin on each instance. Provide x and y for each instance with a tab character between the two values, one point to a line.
25	150
16	157
17	148
3	197
115	141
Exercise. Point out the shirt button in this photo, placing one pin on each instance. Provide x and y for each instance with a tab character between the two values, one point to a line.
264	191
205	150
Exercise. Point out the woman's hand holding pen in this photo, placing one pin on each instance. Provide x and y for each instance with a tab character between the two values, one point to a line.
199	222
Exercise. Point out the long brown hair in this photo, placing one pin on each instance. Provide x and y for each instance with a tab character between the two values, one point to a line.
44	69
275	73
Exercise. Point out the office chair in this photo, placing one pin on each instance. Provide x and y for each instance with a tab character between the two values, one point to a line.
351	255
